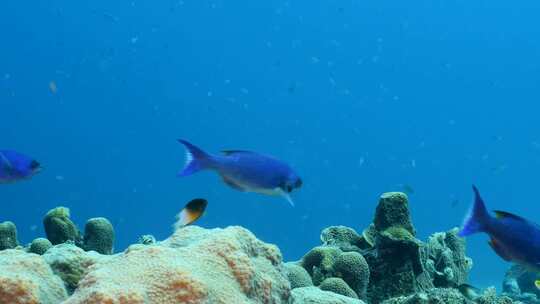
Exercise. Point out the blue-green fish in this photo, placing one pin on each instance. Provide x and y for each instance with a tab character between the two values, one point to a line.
512	237
244	170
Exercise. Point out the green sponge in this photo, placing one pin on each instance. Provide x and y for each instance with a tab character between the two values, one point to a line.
8	236
99	235
59	228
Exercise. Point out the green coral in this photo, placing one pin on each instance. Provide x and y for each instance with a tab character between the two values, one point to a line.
345	238
59	228
70	263
298	276
319	262
393	210
99	235
337	285
40	246
353	269
8	235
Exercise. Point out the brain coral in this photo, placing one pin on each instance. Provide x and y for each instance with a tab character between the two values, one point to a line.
26	279
193	266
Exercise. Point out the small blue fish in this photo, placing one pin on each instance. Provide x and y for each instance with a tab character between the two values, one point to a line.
244	170
512	237
15	167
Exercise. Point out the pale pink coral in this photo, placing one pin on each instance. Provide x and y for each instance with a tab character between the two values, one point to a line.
218	266
25	278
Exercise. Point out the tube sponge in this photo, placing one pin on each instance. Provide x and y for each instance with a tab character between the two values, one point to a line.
99	235
59	228
8	236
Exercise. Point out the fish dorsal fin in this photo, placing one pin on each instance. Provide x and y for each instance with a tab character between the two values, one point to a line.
230	152
503	214
499	250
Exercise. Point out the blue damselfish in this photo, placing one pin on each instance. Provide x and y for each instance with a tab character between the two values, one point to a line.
244	170
512	237
15	166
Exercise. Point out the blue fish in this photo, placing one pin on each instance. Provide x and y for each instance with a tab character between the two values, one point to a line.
512	237
244	170
15	167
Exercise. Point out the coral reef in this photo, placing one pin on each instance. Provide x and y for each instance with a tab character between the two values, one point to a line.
59	228
385	264
99	235
387	261
8	236
25	278
39	246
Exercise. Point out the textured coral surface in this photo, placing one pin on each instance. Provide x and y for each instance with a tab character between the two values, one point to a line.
192	266
26	279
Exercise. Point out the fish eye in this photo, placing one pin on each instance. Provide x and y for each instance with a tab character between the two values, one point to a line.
34	165
289	188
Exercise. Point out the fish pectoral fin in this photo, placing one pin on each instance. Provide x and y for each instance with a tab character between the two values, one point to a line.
499	250
229	182
285	195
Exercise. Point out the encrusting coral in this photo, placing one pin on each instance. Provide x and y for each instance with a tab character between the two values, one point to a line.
40	246
25	278
194	265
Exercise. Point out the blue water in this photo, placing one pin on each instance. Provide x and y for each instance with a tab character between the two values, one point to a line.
361	97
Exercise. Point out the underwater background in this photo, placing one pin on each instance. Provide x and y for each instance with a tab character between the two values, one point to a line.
360	97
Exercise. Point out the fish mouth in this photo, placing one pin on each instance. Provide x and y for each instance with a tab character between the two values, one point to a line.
37	170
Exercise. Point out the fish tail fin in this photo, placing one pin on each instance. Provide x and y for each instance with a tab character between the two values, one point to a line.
478	217
196	159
